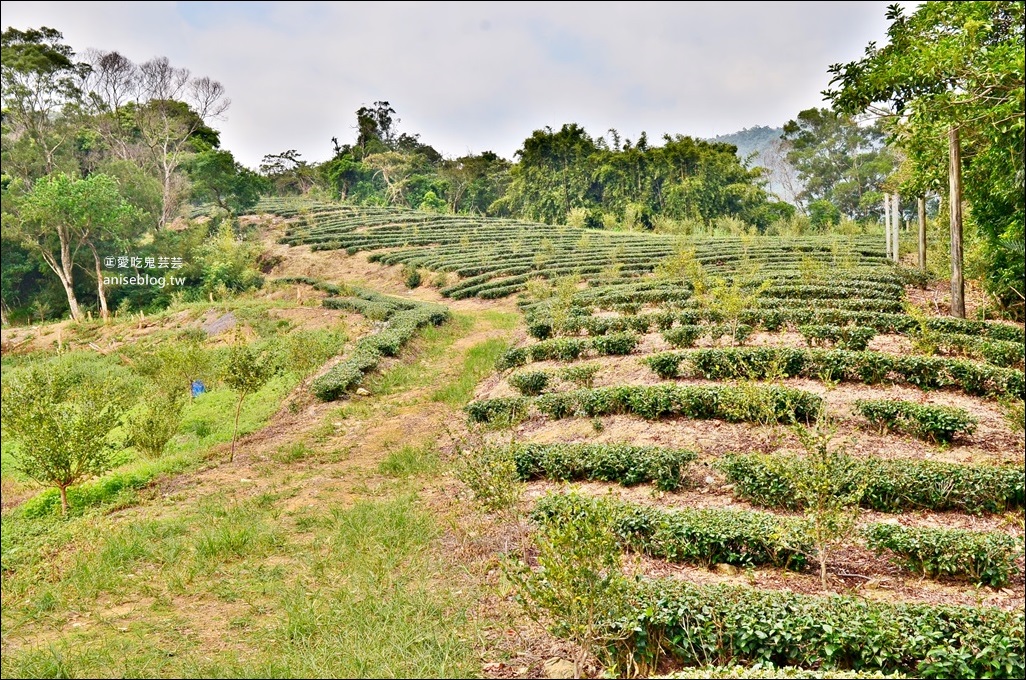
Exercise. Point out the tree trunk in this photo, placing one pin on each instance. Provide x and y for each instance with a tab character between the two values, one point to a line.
235	432
101	289
955	198
64	500
63	270
922	233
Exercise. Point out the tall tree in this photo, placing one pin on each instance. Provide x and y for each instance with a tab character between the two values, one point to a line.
838	160
40	82
61	215
956	65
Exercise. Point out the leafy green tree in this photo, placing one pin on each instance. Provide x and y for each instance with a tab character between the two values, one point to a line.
245	371
217	177
61	421
579	583
61	215
40	84
829	486
956	65
839	161
155	423
289	173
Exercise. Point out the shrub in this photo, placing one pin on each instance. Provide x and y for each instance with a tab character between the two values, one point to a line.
682	336
985	558
512	358
580	585
582	375
411	276
490	472
155	424
625	464
539	328
615	344
503	411
754	403
890	485
665	365
529	382
938	424
705	537
843	337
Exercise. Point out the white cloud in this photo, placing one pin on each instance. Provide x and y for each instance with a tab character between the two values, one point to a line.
476	76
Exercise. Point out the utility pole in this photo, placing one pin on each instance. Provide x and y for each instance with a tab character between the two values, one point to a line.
922	233
955	199
887	224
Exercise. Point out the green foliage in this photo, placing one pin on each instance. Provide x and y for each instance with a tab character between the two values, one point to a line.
956	65
411	276
578	584
501	412
623	463
842	337
228	263
705	537
829	486
938	424
985	558
245	371
615	344
490	472
890	485
218	178
583	375
62	420
345	375
700	625
682	336
841	164
760	363
734	404
174	365
529	382
152	426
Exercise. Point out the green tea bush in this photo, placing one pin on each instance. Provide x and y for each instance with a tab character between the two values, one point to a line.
696	625
842	337
706	537
625	464
615	344
529	382
682	336
891	485
983	557
754	403
582	375
938	424
503	411
760	363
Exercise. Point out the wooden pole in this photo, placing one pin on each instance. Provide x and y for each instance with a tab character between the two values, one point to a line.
955	198
922	233
887	223
896	215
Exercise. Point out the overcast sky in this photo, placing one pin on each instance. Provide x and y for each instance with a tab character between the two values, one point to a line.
470	77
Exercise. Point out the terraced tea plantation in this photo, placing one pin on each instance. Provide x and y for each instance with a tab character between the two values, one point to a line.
796	468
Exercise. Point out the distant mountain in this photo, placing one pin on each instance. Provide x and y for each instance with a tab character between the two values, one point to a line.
759	139
764	142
